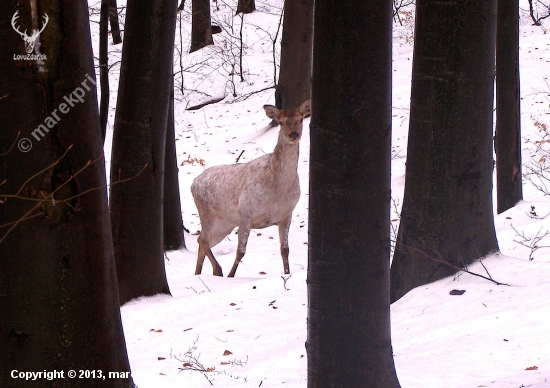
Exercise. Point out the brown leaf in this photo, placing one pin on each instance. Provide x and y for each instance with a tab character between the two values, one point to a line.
186	365
262	273
227	353
188	329
211	369
161	358
225	363
532	368
229	331
232	304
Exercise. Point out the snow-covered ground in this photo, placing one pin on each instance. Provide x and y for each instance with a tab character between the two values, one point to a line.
250	331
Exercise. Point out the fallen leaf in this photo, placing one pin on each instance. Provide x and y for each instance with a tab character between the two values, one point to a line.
188	329
162	374
227	353
225	363
211	369
457	292
262	273
232	304
229	331
532	368
161	358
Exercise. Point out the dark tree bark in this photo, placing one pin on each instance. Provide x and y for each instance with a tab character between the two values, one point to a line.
508	119
104	66
447	210
349	341
58	293
139	138
248	6
173	222
113	19
294	85
201	28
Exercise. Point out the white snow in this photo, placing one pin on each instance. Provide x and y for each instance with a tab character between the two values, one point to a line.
491	336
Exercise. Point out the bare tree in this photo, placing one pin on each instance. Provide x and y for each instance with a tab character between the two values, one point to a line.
447	208
508	118
173	222
201	28
349	341
104	66
139	139
294	85
536	16
59	306
113	20
246	6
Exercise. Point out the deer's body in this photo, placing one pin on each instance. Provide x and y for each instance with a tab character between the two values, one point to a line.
253	195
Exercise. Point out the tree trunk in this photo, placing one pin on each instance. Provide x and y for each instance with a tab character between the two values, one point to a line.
113	19
139	139
294	84
508	119
349	341
173	222
58	293
447	215
104	67
201	28
249	6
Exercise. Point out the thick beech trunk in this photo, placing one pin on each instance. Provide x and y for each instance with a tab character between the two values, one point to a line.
447	215
139	139
348	341
59	305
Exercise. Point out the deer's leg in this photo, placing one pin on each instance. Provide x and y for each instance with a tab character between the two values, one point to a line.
244	231
214	230
284	227
200	259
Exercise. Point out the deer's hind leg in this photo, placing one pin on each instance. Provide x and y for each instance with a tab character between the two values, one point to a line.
214	230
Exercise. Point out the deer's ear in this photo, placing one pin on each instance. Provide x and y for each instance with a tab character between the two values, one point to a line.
305	108
271	112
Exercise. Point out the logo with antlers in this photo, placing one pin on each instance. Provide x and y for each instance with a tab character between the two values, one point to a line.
30	41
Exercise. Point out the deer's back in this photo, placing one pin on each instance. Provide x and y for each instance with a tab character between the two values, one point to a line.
250	189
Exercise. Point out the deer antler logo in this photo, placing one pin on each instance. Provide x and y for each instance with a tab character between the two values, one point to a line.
30	41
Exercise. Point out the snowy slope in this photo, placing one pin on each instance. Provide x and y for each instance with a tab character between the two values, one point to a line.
491	336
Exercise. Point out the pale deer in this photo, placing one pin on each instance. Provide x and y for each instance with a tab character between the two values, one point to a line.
253	195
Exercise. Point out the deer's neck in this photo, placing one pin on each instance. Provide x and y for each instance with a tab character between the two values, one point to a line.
284	160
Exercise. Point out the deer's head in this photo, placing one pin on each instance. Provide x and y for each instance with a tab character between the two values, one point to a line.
290	120
30	40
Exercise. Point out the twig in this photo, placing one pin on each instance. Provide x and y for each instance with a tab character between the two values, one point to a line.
13	144
452	266
48	196
285	280
204	284
241	154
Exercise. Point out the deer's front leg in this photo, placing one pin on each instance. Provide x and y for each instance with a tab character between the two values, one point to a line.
284	227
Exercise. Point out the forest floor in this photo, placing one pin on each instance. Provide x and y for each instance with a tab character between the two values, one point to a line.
250	331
